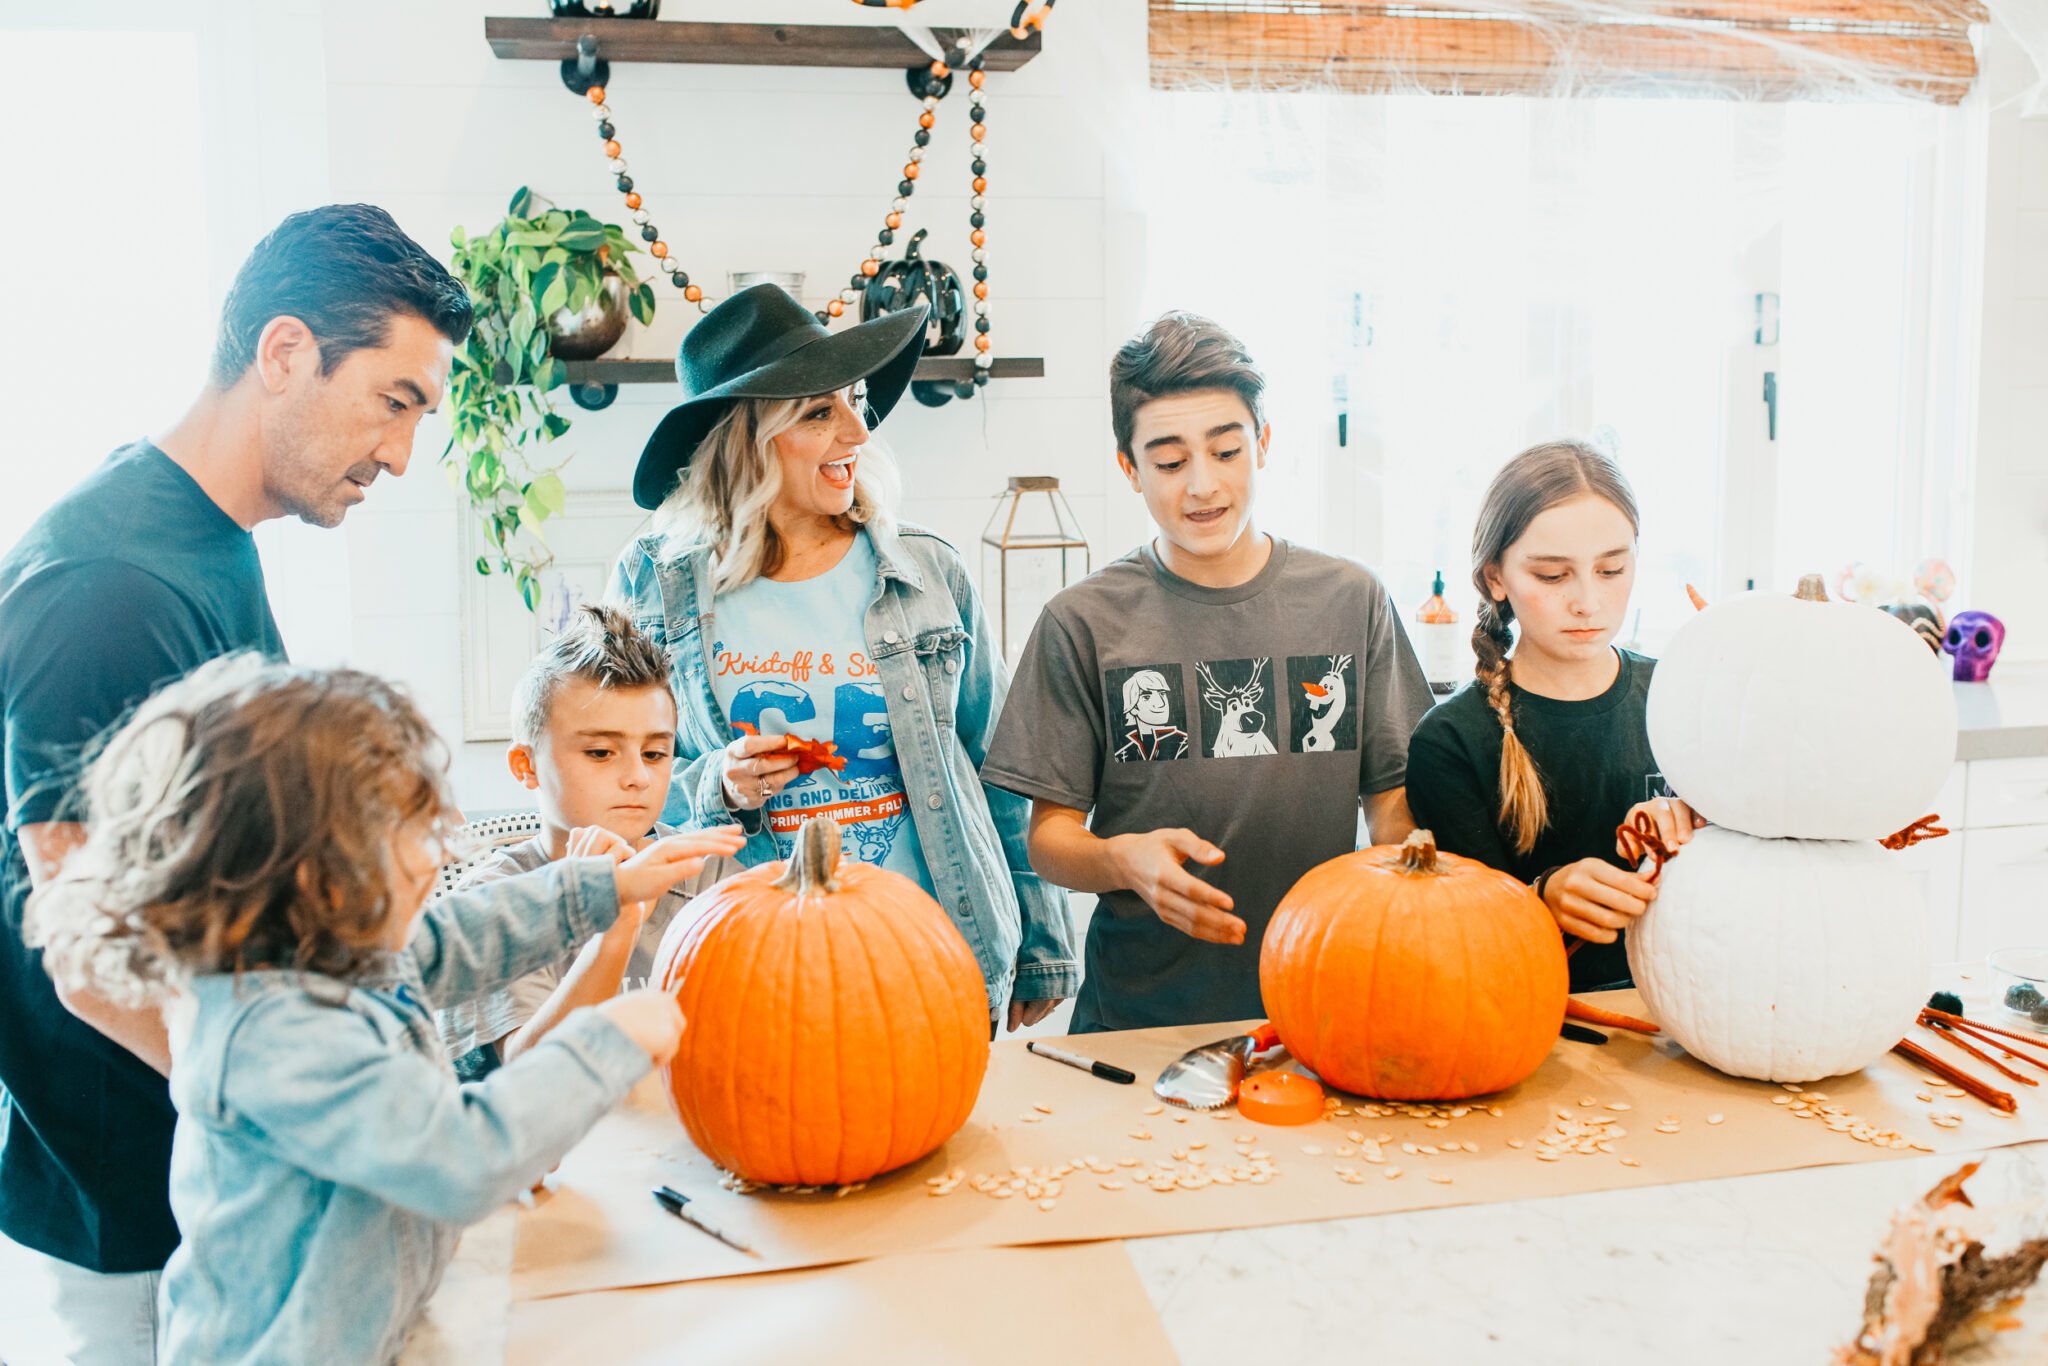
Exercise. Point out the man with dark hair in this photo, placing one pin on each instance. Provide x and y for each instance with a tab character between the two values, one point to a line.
1126	790
335	340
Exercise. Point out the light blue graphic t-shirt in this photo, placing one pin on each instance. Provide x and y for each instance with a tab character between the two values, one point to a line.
791	660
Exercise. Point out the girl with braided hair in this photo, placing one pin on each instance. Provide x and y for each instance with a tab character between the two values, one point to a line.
1533	765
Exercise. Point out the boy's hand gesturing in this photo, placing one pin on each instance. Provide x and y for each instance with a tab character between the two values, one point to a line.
1151	865
662	864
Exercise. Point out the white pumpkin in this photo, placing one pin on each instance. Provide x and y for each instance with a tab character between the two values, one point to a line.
1789	718
1783	960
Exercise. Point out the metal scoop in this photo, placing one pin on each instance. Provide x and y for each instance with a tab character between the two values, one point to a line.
1207	1078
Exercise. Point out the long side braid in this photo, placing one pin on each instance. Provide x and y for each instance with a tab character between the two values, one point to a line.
1524	810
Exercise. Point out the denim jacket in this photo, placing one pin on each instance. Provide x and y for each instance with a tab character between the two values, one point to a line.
945	682
325	1158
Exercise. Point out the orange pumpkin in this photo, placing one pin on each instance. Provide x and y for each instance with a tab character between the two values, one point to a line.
1406	974
837	1026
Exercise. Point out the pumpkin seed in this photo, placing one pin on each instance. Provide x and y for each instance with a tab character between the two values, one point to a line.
1715	1119
1515	1143
1471	1147
1111	1185
1030	1118
1429	1149
1154	1109
1586	1102
1392	1173
1198	1144
1312	1149
1923	1096
1043	1109
1441	1178
1619	1105
1495	1111
1546	1155
1140	1134
1180	1154
1002	1192
1127	1161
1781	1100
1630	1162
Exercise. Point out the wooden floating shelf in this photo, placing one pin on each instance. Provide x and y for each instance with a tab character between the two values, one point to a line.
954	368
660	40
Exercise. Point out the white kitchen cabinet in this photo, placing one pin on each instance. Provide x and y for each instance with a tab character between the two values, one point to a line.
2004	887
2008	792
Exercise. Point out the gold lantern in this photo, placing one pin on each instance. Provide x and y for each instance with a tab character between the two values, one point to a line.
1021	525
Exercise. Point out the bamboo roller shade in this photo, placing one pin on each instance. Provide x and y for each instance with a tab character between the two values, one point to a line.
1758	49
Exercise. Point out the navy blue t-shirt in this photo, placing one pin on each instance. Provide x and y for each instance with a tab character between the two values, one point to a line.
133	579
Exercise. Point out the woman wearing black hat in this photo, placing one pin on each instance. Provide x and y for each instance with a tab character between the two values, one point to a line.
795	606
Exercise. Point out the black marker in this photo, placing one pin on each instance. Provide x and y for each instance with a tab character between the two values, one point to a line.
678	1204
1100	1069
1581	1034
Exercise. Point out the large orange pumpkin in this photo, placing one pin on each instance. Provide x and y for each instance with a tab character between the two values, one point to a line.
837	1026
1405	974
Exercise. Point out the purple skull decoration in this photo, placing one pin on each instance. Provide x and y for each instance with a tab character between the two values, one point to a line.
1975	639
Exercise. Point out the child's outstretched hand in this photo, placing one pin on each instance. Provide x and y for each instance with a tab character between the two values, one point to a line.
665	862
650	1018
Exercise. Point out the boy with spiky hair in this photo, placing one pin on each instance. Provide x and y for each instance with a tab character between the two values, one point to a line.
593	733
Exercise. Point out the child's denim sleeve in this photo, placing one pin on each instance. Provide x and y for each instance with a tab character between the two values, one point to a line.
326	1090
479	938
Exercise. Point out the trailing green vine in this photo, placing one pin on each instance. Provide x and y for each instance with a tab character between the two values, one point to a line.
523	271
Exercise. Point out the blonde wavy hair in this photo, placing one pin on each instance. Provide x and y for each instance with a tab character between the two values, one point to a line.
722	501
243	818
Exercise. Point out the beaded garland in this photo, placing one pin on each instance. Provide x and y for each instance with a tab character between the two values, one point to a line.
937	85
649	234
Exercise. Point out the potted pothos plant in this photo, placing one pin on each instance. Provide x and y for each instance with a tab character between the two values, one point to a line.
547	284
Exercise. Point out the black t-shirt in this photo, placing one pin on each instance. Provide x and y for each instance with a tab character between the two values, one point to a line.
133	579
1595	760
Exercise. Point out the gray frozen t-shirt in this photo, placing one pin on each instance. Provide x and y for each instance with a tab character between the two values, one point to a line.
468	1025
1255	716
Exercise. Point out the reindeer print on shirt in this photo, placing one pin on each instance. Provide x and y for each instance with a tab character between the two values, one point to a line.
1237	718
1320	703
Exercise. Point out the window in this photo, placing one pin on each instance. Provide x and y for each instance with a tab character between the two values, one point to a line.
1458	278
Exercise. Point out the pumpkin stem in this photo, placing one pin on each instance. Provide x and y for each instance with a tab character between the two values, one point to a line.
1812	588
816	859
1418	852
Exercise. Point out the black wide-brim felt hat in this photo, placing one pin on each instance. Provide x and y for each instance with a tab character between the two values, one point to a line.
762	343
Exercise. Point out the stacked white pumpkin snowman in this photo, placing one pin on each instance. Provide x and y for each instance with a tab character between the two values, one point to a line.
1786	943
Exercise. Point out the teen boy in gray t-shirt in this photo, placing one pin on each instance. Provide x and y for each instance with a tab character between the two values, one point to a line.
1218	698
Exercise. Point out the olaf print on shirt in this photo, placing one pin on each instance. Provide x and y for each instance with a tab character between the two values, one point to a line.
1319	689
1237	719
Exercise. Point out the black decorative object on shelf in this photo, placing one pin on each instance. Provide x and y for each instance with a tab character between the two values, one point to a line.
604	9
917	279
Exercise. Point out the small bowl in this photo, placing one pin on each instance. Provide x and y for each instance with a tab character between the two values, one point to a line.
2021	986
